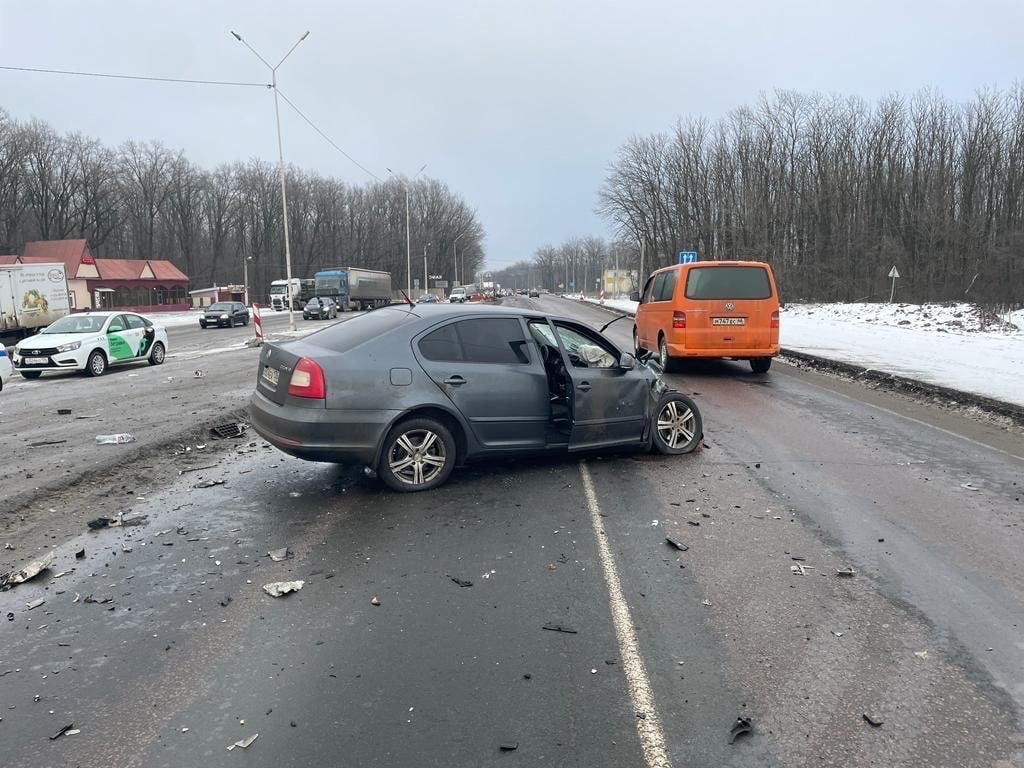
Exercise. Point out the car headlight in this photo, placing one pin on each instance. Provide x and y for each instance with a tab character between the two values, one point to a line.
224	317
69	347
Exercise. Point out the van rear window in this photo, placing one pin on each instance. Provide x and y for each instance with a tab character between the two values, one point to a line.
728	283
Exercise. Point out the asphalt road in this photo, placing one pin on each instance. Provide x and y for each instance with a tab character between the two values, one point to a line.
668	648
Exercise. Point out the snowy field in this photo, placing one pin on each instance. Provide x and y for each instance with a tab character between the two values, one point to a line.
951	346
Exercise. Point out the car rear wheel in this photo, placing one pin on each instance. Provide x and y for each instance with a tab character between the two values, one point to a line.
156	357
760	364
31	374
679	427
96	365
419	454
664	358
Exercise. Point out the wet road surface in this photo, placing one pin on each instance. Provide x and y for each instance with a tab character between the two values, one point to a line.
799	470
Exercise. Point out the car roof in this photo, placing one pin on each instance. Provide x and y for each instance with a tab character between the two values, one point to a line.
443	310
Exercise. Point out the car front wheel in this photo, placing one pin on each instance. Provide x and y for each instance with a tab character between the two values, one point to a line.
156	357
679	427
419	454
96	365
202	324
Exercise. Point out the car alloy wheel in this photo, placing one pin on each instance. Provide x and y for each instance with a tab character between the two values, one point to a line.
679	428
97	364
419	454
156	357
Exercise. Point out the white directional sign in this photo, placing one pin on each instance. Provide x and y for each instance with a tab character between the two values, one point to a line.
894	273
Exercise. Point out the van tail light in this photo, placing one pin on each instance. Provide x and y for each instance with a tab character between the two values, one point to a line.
775	320
307	381
678	319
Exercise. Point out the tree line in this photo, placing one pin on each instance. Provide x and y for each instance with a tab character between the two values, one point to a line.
142	200
834	192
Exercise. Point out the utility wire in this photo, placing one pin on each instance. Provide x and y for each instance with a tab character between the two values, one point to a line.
135	77
326	137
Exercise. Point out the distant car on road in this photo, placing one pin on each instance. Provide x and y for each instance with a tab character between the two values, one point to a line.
91	342
226	314
427	298
320	308
459	295
409	394
534	294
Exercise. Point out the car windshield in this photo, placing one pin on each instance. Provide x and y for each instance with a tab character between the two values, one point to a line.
313	303
77	324
221	307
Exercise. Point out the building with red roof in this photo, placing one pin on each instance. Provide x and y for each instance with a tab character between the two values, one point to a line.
143	285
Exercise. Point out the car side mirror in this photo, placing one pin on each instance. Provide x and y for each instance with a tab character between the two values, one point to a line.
634	296
627	362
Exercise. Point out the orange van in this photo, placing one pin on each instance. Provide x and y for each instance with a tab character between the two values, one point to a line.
710	309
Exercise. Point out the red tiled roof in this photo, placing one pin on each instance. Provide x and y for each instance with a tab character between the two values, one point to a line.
11	259
165	270
67	252
120	269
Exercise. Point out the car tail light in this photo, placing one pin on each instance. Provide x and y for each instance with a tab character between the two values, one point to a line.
307	380
678	319
775	319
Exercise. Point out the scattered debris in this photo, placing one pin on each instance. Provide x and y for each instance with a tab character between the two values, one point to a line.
197	374
846	573
63	411
742	727
8	545
461	582
551	627
34	604
119	439
80	554
837	634
278	588
88	416
196	469
242	743
62	731
921	654
508	746
706	603
693	522
676	543
277	555
295	494
208	483
375	601
228	430
117	522
969	486
800	569
42	443
30	571
874	722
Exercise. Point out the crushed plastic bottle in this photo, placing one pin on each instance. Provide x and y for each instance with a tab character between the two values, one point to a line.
124	437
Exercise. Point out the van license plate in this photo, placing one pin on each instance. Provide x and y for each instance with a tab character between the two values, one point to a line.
271	375
728	321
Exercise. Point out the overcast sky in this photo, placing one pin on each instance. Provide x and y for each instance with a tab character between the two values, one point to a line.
517	105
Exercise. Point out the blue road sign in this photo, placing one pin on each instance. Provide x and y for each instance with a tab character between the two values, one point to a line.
687	257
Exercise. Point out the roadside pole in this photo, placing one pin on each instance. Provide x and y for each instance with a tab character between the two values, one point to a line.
257	325
893	274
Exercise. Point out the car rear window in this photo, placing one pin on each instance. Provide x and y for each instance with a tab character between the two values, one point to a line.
342	337
728	283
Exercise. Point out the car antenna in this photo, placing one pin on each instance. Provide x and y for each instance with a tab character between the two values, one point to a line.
614	320
407	299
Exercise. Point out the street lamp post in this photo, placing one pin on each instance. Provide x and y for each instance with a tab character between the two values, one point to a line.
280	165
426	283
455	250
408	238
245	278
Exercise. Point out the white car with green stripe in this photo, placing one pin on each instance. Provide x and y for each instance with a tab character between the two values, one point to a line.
91	342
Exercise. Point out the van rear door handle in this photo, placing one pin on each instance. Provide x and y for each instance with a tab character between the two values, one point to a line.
584	386
455	381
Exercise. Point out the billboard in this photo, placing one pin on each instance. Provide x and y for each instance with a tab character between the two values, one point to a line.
620	281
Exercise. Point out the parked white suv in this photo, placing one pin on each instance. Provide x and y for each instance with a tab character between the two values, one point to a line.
458	295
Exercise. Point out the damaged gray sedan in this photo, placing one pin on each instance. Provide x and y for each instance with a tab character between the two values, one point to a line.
410	394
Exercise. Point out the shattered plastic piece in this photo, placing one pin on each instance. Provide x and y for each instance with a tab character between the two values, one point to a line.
30	571
921	654
874	722
99	522
277	555
278	588
845	573
375	601
243	743
837	634
706	603
461	582
741	727
228	430
34	604
197	374
44	443
208	484
676	543
800	569
508	746
119	439
969	486
80	554
62	731
552	627
63	411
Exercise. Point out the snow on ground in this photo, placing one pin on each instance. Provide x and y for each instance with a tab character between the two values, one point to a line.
955	346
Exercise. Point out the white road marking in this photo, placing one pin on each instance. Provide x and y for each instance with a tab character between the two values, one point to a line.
652	738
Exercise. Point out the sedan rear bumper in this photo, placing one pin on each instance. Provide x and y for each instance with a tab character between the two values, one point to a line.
318	434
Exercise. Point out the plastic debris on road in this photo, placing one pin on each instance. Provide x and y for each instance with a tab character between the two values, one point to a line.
800	569
120	521
119	439
63	411
921	654
742	727
197	374
244	743
279	588
676	543
874	722
508	746
208	484
34	604
30	571
845	573
461	582
277	555
969	486
66	729
552	627
375	601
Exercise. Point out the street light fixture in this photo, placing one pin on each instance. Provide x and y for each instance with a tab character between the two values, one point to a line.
408	240
455	249
280	163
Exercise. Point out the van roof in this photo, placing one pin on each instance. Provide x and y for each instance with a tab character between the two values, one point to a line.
718	264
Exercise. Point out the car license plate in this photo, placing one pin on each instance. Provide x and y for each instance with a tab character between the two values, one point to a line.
36	360
271	375
728	321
